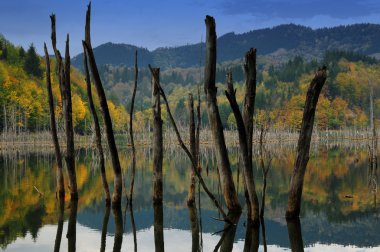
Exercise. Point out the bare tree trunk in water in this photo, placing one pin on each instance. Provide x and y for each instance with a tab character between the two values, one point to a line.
303	148
65	89
157	137
118	217
61	218
216	126
131	132
117	193
104	229
295	235
59	177
158	228
252	236
194	164
248	111
72	226
193	150
194	229
133	227
98	135
70	152
247	164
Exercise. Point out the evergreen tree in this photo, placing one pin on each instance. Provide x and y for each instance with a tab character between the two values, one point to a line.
32	62
21	53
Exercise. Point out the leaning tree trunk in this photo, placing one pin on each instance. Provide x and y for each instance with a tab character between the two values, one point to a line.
193	150
65	89
303	148
131	131
216	126
117	193
244	156
58	156
157	138
98	135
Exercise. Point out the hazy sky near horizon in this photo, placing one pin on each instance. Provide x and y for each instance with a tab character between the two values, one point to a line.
158	23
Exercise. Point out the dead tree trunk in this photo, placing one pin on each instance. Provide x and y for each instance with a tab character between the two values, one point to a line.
157	137
65	89
303	148
70	152
131	131
193	150
59	177
117	193
248	110
194	164
216	126
98	135
243	144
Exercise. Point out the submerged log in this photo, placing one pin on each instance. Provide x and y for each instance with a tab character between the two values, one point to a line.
215	122
98	135
53	128
117	193
303	148
157	137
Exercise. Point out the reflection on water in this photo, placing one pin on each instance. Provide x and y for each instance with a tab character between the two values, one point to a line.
339	205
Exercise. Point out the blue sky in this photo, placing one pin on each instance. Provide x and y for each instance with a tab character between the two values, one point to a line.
157	23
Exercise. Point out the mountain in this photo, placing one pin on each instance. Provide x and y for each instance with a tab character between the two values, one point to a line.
281	43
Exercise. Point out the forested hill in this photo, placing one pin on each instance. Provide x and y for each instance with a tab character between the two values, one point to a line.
281	43
23	94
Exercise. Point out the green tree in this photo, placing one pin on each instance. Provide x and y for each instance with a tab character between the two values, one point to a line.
32	62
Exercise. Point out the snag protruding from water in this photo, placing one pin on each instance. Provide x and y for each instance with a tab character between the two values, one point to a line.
53	128
303	148
193	150
157	137
117	193
98	135
215	122
65	89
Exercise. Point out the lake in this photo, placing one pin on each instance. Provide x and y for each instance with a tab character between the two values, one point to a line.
339	206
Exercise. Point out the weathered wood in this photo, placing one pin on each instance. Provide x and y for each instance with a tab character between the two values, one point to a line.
157	137
119	230
53	129
68	116
193	150
98	135
65	89
215	122
264	169
61	218
131	131
158	228
295	235
193	162
193	216
303	148
244	156
117	193
104	229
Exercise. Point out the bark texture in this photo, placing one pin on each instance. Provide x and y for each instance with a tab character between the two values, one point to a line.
303	148
157	137
98	135
117	193
131	131
215	122
53	128
244	156
193	150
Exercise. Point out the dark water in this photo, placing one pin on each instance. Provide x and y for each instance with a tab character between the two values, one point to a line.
339	211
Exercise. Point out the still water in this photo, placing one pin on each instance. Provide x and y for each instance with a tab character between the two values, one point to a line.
339	208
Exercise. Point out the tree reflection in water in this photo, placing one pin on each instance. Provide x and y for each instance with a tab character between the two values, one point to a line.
72	226
295	234
158	228
104	229
118	218
58	237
